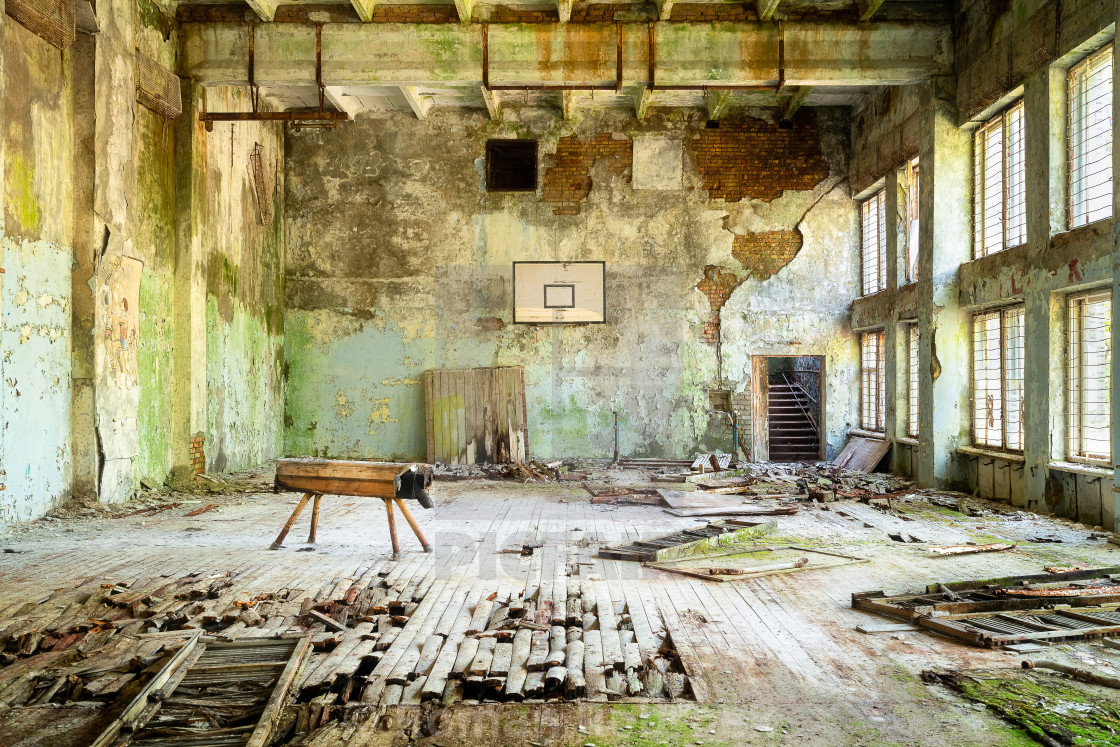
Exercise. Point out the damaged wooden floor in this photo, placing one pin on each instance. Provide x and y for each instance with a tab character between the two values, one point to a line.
778	652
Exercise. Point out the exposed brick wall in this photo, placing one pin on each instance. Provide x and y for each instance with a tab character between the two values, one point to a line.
765	252
198	454
717	285
755	158
506	14
695	12
601	12
568	181
415	14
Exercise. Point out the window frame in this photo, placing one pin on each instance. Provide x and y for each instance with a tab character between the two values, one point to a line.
1076	377
878	202
1006	383
913	339
1077	181
911	173
876	409
1012	227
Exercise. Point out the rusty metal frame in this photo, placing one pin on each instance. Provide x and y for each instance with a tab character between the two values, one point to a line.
322	117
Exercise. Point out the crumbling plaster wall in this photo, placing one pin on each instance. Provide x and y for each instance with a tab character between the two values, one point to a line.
399	261
35	297
154	149
239	263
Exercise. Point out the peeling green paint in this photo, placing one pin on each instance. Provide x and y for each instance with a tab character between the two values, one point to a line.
20	185
407	271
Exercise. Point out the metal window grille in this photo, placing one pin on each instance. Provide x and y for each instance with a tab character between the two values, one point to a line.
1089	380
999	190
511	165
260	186
157	88
913	193
54	21
872	387
874	243
1090	139
912	388
997	378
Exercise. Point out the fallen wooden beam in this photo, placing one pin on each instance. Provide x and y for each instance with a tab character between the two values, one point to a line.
968	549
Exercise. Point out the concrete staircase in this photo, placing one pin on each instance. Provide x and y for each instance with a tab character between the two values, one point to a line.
793	436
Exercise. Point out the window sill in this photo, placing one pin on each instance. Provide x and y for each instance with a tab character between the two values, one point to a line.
1079	468
1006	456
908	440
1081	233
880	435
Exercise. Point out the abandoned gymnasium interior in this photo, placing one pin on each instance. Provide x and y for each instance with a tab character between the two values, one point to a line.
730	372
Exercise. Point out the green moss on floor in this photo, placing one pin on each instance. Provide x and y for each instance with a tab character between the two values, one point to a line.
659	727
1048	707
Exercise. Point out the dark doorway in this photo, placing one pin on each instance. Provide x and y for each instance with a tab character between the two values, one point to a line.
794	409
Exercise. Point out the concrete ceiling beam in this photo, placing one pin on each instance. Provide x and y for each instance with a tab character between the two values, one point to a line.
464	9
420	104
493	103
450	55
568	104
364	9
337	98
564	10
718	103
266	9
664	9
795	101
641	103
765	9
867	8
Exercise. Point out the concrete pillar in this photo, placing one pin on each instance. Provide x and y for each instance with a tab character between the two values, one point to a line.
1115	297
945	241
85	455
189	302
116	400
3	230
890	333
1044	136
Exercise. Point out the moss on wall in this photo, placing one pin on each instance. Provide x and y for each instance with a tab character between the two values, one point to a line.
154	144
398	261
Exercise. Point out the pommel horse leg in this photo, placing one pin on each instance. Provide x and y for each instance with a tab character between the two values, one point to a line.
292	520
412	523
393	526
314	520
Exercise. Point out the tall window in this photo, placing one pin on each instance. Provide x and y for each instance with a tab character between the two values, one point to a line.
1089	408
997	378
1090	139
872	389
874	243
910	268
998	195
912	379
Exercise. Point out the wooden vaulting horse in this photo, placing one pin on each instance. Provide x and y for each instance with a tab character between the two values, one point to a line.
392	482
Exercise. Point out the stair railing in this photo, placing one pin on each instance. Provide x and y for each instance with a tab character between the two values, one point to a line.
800	394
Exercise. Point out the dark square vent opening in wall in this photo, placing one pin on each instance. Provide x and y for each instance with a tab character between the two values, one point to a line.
511	165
